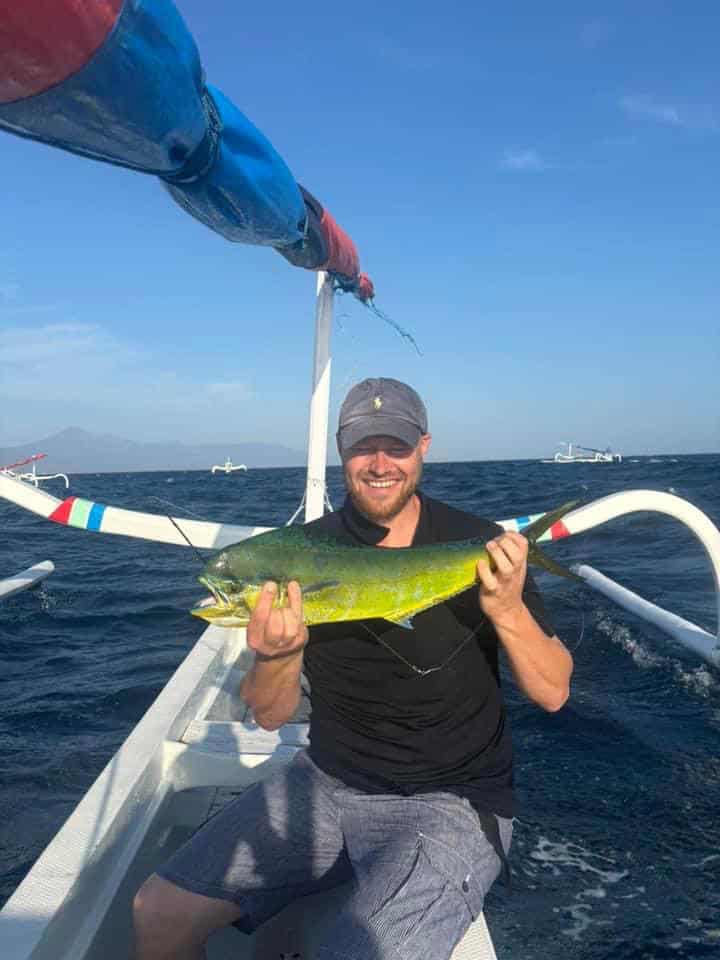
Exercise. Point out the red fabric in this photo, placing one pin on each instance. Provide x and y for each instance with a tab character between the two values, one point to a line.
21	463
62	513
559	530
342	254
365	289
43	42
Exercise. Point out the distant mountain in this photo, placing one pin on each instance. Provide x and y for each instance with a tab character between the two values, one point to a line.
78	451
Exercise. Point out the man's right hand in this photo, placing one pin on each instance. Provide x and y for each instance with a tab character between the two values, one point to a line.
280	632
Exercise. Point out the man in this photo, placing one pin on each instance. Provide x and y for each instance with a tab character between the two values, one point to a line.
406	787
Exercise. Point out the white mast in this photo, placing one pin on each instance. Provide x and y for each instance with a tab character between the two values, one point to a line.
319	401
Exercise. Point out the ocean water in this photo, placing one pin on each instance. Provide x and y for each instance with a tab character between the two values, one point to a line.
617	844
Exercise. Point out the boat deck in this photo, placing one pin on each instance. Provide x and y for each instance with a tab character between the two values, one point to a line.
221	739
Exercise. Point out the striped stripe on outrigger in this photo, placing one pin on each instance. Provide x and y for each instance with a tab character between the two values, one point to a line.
76	512
556	532
87	515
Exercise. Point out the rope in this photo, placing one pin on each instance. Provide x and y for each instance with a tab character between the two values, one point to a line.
326	501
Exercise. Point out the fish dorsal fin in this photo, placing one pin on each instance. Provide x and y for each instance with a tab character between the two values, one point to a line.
296	535
279	536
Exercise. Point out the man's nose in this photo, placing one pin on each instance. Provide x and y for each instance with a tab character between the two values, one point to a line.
380	462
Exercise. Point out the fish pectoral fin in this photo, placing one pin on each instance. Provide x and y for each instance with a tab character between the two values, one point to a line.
319	587
400	621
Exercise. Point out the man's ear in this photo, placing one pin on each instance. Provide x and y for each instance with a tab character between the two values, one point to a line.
424	444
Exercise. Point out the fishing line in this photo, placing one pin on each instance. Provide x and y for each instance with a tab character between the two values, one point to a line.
201	558
574	606
424	671
582	632
196	551
175	506
340	387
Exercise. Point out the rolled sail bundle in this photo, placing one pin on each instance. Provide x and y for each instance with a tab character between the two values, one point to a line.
121	81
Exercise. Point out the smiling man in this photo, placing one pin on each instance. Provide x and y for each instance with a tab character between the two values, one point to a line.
406	787
383	438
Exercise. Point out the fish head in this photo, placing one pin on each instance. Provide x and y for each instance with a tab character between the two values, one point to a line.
227	605
234	583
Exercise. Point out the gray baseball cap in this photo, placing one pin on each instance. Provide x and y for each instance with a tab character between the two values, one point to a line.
381	407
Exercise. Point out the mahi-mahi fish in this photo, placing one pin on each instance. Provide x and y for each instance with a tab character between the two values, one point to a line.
342	581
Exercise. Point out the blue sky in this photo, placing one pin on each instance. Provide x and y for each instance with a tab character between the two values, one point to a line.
533	188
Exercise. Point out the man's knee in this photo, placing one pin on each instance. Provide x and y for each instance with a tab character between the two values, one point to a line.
165	914
158	910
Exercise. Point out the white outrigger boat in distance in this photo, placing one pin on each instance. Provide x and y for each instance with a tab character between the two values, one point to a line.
197	745
589	455
228	467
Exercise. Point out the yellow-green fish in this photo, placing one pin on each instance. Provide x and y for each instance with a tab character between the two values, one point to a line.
346	582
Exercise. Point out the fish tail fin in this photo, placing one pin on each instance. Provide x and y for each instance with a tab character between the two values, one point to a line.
539	559
535	530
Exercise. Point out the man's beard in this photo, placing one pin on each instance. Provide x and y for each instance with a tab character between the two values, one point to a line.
380	512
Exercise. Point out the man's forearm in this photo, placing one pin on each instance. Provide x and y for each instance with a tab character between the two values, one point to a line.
542	665
271	688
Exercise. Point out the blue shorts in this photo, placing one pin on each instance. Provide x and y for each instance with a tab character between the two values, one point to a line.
420	866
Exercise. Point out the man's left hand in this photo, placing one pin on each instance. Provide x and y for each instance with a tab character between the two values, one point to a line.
502	580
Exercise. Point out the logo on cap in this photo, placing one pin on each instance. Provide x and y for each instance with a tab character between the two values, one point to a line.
377	402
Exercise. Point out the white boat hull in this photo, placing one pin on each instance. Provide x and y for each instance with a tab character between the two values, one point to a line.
228	468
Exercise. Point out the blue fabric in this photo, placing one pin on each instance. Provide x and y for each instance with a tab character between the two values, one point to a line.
95	516
247	194
141	102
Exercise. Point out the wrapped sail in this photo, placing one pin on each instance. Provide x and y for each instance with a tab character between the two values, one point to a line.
121	81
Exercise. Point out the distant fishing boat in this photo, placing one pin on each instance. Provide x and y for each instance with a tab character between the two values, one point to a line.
588	455
228	467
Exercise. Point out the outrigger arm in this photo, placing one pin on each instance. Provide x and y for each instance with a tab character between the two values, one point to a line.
635	501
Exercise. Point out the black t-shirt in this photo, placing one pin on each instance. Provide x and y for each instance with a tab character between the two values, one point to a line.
380	725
